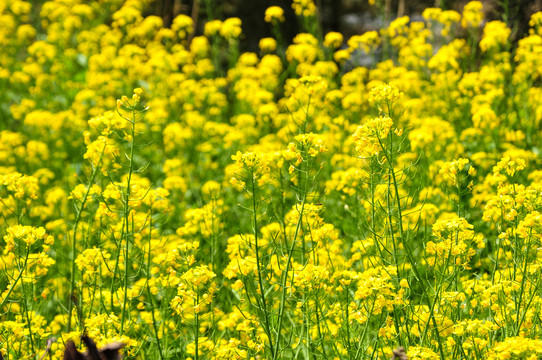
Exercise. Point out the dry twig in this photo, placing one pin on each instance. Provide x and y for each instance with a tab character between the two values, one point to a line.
108	352
399	354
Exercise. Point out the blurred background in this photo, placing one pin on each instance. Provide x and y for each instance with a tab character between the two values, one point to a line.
346	16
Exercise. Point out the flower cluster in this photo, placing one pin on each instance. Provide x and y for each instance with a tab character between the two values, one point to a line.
328	197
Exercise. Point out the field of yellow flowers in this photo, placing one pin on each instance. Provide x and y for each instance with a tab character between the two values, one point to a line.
166	190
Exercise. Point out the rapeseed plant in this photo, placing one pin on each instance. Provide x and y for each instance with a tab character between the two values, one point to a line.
292	203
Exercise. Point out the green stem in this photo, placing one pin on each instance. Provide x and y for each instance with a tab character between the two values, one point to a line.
196	331
155	328
74	239
522	289
16	280
289	261
25	302
29	325
405	243
126	213
258	265
319	326
347	325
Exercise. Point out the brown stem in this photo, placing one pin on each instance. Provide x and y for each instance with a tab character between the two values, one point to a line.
195	16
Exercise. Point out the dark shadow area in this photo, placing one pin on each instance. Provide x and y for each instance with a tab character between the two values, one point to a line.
346	16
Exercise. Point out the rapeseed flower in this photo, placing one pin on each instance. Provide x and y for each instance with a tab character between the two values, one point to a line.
274	14
431	240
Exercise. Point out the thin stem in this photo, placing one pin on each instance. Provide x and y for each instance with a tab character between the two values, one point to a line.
347	324
155	328
410	256
319	326
258	265
126	213
522	288
288	262
74	239
196	330
6	297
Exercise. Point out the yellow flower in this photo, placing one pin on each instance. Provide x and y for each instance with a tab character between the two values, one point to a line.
21	185
304	8
274	14
211	190
341	56
182	25
421	353
509	165
385	93
472	14
536	23
231	28
268	44
370	136
333	40
496	36
368	41
27	234
451	169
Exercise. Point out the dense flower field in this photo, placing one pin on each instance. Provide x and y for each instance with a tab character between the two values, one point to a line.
168	191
